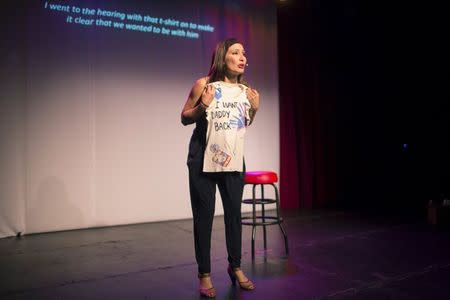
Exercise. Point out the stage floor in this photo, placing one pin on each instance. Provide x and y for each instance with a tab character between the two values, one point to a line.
333	255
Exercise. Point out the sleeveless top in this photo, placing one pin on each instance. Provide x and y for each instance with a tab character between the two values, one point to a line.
218	139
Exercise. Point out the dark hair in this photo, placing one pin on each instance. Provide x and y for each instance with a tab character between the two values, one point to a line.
217	70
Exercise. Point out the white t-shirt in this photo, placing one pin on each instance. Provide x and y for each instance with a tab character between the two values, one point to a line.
227	117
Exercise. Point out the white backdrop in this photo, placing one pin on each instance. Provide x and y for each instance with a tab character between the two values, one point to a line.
78	161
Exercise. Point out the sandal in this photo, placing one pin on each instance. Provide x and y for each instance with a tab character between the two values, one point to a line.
245	285
206	292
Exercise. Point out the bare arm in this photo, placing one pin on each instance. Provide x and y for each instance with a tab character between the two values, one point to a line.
200	97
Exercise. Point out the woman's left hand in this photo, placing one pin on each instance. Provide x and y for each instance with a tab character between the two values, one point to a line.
253	98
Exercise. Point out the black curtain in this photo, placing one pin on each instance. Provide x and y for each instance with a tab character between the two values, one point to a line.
364	104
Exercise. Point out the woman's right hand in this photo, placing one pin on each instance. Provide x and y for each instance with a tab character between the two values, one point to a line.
208	94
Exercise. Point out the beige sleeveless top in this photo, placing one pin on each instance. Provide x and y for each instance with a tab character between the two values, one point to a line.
227	117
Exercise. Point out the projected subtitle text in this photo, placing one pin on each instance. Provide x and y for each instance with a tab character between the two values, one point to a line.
97	17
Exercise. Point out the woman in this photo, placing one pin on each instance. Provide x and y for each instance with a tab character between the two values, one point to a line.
222	106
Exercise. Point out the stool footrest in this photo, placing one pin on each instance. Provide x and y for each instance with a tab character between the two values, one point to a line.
276	221
259	201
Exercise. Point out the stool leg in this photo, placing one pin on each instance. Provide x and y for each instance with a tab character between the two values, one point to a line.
286	246
254	221
253	241
263	217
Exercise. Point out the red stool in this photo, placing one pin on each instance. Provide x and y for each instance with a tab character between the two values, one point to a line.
263	178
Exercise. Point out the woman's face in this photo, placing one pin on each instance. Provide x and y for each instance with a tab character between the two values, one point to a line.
235	59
